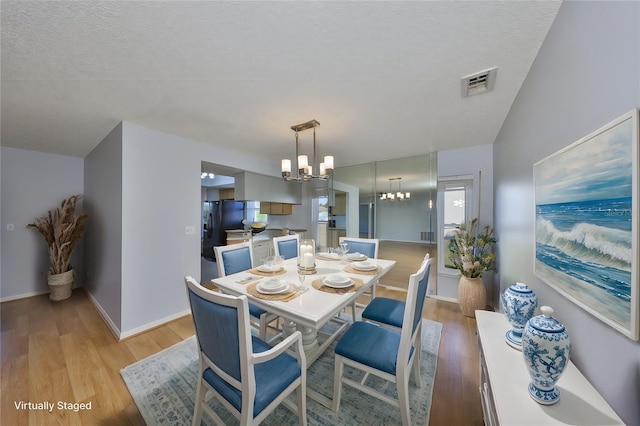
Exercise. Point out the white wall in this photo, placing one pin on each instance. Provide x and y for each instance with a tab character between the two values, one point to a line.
586	74
469	161
32	184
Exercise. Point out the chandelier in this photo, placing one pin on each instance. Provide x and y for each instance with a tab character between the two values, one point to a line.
399	195
305	169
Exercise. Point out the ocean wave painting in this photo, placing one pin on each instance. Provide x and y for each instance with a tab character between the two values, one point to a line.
585	233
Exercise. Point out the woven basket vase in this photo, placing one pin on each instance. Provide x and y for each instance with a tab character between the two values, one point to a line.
472	296
60	285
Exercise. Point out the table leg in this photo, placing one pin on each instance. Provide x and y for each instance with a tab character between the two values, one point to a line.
309	339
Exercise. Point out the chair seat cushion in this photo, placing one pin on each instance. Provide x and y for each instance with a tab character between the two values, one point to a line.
371	345
272	377
385	310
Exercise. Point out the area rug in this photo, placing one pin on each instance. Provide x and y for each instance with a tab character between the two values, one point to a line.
163	387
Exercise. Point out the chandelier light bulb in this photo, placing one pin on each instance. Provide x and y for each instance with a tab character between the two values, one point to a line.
328	162
306	164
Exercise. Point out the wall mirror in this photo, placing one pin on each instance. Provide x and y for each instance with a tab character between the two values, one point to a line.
397	205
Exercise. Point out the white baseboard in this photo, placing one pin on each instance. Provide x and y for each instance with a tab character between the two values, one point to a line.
23	296
121	335
107	319
444	298
153	324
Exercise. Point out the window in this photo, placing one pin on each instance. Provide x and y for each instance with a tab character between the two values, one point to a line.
253	212
454	211
323	209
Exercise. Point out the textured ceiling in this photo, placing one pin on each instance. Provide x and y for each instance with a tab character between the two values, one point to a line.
382	78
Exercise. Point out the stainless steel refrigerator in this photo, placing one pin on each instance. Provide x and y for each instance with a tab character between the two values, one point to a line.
223	215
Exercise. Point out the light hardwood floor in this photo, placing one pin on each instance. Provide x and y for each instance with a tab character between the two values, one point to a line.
408	257
64	352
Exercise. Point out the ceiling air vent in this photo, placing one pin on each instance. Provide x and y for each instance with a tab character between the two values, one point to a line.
479	82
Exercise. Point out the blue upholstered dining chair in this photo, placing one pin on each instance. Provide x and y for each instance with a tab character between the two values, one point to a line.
286	246
386	353
368	247
249	377
386	311
237	258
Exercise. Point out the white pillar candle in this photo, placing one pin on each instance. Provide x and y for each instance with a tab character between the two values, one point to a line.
307	260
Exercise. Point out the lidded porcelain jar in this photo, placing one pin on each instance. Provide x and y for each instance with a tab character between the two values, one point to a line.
546	347
307	257
519	304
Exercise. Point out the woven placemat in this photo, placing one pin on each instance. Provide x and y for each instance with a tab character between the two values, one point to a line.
350	269
284	297
267	274
319	285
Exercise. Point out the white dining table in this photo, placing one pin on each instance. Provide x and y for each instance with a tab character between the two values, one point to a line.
310	310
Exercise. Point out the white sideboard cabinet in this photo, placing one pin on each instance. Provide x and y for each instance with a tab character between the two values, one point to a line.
504	380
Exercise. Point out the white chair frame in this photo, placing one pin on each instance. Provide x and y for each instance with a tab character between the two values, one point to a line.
403	369
276	249
247	361
262	322
371	293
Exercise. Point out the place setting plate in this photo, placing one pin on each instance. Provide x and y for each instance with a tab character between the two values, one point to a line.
268	271
269	268
273	286
366	268
356	257
337	281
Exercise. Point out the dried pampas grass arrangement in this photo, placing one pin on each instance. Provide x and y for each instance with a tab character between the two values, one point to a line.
61	230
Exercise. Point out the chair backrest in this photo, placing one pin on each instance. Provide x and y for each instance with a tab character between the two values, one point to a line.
414	308
234	258
286	246
366	246
223	331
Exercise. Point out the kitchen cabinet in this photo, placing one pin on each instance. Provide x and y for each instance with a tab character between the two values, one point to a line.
275	208
226	193
504	382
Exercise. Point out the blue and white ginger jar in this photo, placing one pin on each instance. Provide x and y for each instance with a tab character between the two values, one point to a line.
546	347
519	304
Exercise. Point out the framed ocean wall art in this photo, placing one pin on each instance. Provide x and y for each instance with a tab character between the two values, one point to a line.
586	223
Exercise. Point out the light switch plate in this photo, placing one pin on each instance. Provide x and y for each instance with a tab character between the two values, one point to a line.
189	230
10	227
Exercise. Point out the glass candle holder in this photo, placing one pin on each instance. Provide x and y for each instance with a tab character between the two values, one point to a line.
307	257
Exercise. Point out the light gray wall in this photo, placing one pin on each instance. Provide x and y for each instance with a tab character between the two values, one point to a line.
144	189
103	200
403	220
586	74
32	184
156	252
